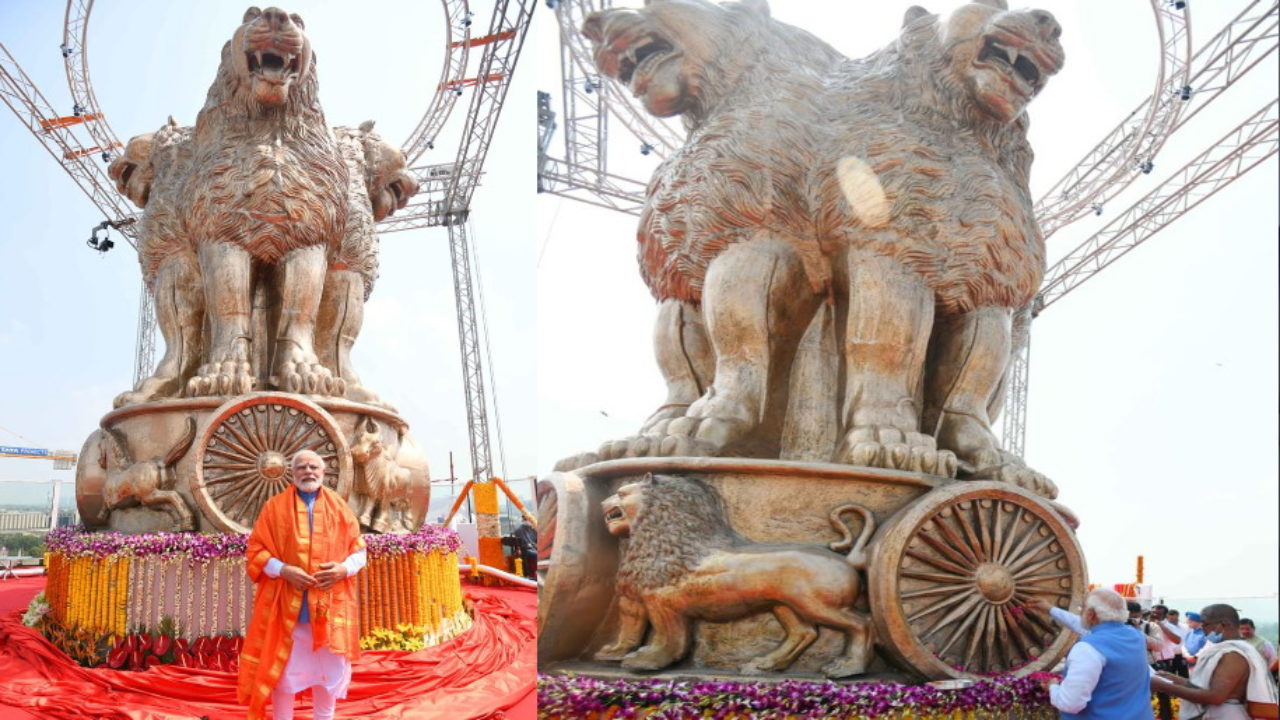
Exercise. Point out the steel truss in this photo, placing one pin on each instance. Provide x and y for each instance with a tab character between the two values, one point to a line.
1127	151
1132	145
1241	150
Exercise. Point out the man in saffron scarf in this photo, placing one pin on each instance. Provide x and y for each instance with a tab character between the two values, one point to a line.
304	552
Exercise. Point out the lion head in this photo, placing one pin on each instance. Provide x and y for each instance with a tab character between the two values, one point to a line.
682	56
673	522
985	56
389	181
268	53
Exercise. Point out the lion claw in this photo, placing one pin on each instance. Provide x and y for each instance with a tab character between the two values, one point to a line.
843	667
1009	468
888	447
229	377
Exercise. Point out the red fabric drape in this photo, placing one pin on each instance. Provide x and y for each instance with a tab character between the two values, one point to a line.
488	668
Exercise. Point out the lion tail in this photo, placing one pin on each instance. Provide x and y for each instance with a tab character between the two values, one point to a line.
857	550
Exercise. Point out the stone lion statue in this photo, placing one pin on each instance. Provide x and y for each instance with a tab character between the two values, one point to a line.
684	562
840	248
257	238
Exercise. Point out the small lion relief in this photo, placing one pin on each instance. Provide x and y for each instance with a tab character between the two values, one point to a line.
685	562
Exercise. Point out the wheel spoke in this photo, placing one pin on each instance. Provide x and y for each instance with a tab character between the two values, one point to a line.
969	618
250	448
975	640
936	577
1015	549
936	562
301	440
984	528
1042	578
229	477
997	519
928	592
231	466
1017	563
954	539
945	549
224	453
937	606
1038	564
1010	629
962	516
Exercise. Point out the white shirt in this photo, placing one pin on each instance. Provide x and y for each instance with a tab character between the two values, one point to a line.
353	564
1084	667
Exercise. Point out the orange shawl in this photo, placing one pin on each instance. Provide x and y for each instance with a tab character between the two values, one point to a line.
282	532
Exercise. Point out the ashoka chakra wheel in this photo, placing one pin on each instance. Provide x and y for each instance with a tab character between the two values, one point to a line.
245	450
952	574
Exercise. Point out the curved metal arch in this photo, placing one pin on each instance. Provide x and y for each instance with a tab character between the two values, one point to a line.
457	23
457	20
661	135
1116	161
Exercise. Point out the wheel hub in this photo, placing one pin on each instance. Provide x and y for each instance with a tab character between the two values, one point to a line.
272	464
995	582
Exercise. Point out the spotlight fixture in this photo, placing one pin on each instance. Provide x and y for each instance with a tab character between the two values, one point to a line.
591	84
77	110
104	243
645	148
1146	167
1185	92
1178	4
1097	208
106	156
551	4
466	20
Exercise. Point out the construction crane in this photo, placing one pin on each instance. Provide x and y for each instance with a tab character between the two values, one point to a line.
83	144
62	459
1185	83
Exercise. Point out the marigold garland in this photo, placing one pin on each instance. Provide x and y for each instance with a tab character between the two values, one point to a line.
106	584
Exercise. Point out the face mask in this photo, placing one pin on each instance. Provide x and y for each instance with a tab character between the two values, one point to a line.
1215	637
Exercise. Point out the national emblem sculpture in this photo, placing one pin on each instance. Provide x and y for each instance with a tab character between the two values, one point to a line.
257	240
843	253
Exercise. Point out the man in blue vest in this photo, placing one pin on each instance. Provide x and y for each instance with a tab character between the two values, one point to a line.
1107	673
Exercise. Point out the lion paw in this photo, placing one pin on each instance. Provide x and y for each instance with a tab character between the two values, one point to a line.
573	462
843	667
646	659
1007	467
889	447
229	377
760	666
155	387
300	372
610	654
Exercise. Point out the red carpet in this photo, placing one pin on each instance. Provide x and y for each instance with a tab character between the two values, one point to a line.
487	672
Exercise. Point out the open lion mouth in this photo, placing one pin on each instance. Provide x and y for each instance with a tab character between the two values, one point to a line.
995	53
646	52
613	514
271	64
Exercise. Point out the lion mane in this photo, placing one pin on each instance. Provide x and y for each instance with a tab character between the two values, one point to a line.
775	112
242	195
680	522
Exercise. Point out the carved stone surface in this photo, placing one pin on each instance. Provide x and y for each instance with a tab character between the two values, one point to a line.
258	241
258	226
841	247
951	565
684	563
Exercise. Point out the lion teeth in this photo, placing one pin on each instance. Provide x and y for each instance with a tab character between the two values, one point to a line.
257	55
1013	55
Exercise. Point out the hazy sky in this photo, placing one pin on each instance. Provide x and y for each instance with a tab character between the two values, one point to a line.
1153	386
68	324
